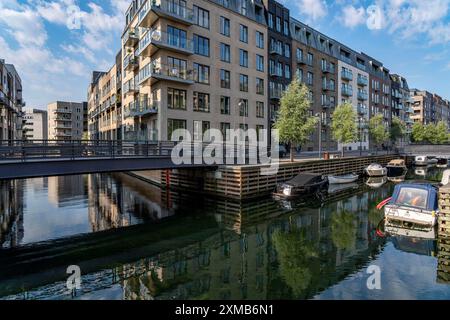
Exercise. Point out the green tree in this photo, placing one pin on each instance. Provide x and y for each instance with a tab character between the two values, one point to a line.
295	124
429	133
377	130
398	129
343	126
440	135
418	132
343	230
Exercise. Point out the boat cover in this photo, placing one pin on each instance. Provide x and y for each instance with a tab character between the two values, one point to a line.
422	196
303	179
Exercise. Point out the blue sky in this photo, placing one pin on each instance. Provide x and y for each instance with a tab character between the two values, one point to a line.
55	44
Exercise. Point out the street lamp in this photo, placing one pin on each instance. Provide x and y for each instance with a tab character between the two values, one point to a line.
320	134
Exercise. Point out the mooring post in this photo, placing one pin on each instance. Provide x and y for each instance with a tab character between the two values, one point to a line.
443	248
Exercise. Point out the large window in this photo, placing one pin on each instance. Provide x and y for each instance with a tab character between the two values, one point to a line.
259	40
201	17
201	73
225	54
243	33
243	83
176	37
224	105
225	26
287	50
287	71
201	45
243	108
176	99
286	28
278	24
200	130
259	63
259	86
178	64
259	109
225	128
270	20
174	124
201	102
225	79
243	58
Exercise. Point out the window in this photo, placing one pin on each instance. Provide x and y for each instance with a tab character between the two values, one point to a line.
201	73
259	40
272	67
176	99
201	45
225	129
278	24
260	132
287	50
243	33
259	86
270	18
259	63
243	58
200	129
177	67
310	59
259	109
243	83
224	105
176	37
201	102
310	78
243	108
287	71
225	79
174	124
286	28
299	54
225	54
225	26
299	74
244	7
201	17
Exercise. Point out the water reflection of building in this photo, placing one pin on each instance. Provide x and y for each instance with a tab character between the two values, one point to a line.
11	213
67	190
118	201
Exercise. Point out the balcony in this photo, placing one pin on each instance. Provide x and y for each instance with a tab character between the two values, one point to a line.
328	86
2	98
152	10
63	125
131	37
130	87
362	95
326	103
347	91
363	81
144	107
347	75
275	94
409	121
328	68
154	72
362	110
156	39
64	111
362	126
399	106
130	62
409	110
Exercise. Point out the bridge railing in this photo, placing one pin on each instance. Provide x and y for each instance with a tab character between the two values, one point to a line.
72	149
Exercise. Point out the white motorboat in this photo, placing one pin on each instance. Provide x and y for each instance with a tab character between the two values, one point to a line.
412	203
375	170
348	178
425	161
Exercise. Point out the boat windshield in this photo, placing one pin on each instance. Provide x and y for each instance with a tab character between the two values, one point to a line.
412	197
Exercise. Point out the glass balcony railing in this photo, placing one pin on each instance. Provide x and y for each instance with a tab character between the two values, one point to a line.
130	62
328	68
363	81
167	8
168	41
329	86
130	87
347	91
362	95
131	37
347	75
142	107
362	110
165	72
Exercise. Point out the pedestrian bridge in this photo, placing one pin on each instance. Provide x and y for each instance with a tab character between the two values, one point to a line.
28	159
432	150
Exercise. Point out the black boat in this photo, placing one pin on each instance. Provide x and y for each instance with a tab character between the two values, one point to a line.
304	183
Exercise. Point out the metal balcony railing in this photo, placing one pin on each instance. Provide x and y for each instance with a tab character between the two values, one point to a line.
161	71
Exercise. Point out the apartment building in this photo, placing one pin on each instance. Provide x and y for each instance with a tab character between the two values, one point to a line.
193	65
11	102
315	64
105	104
423	103
279	52
401	103
35	124
66	120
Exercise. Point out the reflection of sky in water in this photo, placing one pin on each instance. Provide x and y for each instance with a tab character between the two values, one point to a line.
44	220
403	276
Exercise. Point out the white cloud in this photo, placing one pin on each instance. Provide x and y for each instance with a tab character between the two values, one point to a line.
24	26
313	9
353	16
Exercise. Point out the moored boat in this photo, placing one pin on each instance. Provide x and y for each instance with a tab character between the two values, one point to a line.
304	183
412	203
347	178
425	161
396	168
375	170
442	163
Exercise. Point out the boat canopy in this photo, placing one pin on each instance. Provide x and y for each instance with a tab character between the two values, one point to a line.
397	163
422	196
304	179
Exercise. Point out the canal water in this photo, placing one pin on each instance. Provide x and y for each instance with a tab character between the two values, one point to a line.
135	241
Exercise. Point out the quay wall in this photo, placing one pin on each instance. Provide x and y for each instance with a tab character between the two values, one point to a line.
246	181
